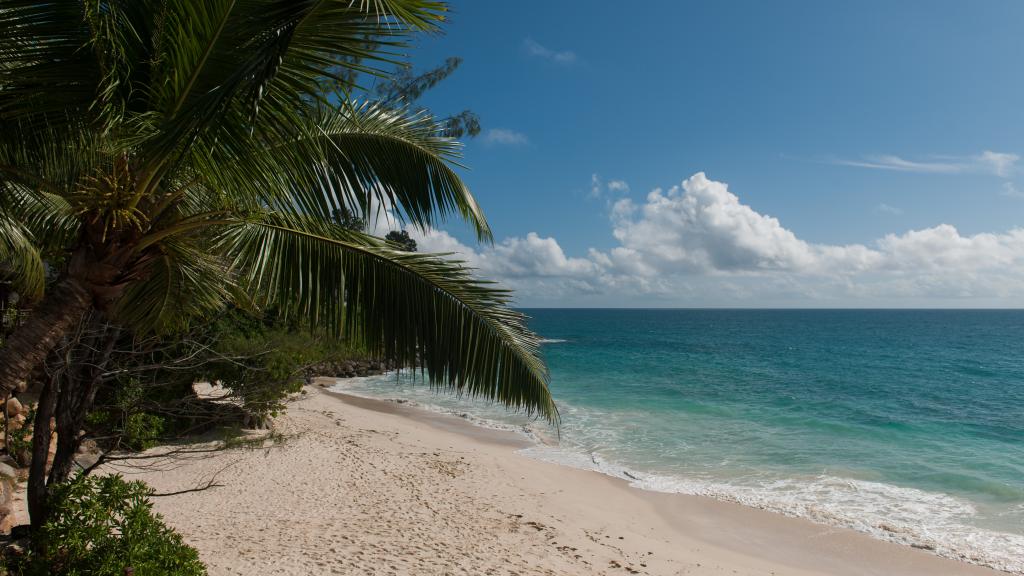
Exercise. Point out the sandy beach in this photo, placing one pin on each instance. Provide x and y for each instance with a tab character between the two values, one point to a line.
368	487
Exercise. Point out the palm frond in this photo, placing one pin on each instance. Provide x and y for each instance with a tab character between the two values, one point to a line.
20	262
397	158
244	55
356	157
46	71
182	282
420	309
47	218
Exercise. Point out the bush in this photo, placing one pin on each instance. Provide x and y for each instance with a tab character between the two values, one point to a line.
19	440
258	360
262	361
126	418
102	525
142	431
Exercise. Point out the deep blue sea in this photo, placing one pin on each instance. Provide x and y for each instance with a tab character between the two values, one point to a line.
904	424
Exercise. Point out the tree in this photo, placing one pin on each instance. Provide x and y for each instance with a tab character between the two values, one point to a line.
404	88
168	158
402	239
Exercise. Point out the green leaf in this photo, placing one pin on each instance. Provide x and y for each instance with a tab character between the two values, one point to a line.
420	309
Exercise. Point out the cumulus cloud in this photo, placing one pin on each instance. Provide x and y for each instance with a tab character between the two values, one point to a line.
698	244
531	265
532	256
701	226
504	136
887	209
535	48
618	186
598	187
943	249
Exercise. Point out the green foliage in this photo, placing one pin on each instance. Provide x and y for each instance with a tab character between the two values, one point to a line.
19	440
127	418
182	157
401	240
346	219
258	360
142	430
262	362
404	87
100	526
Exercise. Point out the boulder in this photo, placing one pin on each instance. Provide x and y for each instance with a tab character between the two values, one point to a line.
88	446
16	421
14	407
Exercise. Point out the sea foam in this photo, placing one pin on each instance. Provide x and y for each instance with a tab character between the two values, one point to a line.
907	516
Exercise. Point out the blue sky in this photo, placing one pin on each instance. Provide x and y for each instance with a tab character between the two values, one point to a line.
846	123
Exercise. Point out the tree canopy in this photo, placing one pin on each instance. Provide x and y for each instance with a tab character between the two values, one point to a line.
168	158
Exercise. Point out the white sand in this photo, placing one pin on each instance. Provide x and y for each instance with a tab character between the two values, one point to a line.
366	487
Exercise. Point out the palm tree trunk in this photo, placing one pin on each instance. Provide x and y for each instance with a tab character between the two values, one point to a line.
36	493
77	392
63	308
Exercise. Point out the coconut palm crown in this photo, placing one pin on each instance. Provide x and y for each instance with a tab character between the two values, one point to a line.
167	158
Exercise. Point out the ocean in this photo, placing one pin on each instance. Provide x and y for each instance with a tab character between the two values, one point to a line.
904	424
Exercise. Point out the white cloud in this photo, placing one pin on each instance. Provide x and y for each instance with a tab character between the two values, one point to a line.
887	209
534	48
505	136
532	256
598	187
701	226
1001	164
697	244
1010	189
889	162
943	249
618	186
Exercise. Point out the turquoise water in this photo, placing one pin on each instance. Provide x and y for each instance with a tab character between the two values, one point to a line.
907	425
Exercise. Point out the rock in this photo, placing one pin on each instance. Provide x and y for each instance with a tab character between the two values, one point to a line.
14	406
8	471
16	422
15	550
88	446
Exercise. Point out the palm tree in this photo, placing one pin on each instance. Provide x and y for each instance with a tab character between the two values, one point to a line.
166	158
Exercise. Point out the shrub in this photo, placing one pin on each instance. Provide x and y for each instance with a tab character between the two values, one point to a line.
127	418
263	360
142	431
19	440
102	525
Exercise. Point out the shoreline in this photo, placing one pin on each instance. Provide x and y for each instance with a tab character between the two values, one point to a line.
365	486
666	503
904	516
